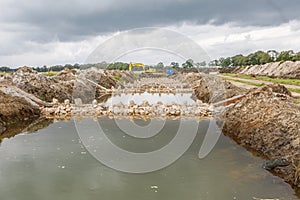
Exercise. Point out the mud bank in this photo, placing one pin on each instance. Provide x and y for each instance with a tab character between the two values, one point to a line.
266	120
212	89
15	110
287	69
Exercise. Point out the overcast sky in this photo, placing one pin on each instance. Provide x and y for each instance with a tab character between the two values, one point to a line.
47	32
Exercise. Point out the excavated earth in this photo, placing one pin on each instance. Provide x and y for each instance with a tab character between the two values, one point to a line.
268	121
15	111
68	84
287	69
25	92
265	120
212	89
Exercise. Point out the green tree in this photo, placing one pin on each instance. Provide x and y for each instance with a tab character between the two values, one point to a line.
188	64
160	65
214	63
296	57
174	65
238	60
285	55
225	62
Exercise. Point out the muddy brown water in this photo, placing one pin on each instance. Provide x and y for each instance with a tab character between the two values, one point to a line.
52	163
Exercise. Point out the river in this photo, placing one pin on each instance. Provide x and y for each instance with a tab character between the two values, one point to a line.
52	163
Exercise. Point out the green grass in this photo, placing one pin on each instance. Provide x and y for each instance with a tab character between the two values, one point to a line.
263	78
297	90
50	73
117	78
297	101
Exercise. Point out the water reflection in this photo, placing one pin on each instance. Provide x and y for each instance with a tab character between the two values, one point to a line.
52	164
151	98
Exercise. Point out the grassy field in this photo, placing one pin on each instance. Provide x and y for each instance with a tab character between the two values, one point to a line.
263	78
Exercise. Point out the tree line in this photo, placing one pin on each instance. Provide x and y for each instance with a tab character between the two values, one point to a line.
58	68
256	58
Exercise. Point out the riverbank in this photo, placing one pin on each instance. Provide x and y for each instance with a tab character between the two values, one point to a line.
265	120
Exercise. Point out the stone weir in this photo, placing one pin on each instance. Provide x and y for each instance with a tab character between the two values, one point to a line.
144	110
154	85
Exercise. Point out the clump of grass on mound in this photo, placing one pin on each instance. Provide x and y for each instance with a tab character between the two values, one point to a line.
50	73
297	90
297	101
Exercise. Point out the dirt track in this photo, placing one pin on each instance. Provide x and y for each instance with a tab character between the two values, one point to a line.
247	86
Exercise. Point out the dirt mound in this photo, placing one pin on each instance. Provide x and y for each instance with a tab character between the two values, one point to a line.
14	110
43	87
123	76
268	121
88	84
211	89
287	69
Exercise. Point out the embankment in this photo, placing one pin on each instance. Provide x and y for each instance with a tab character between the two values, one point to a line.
287	69
15	110
265	120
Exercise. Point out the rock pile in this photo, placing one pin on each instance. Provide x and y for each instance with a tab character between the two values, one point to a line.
67	110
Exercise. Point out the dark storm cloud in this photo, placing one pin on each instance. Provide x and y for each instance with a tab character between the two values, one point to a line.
75	20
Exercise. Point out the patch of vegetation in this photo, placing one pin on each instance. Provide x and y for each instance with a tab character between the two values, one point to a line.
297	90
297	101
117	78
256	58
50	73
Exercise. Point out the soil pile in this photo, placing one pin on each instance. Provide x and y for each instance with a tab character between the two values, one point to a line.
287	69
268	121
123	76
43	87
68	84
211	89
14	110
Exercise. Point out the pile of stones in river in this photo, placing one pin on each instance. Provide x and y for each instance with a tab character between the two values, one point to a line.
143	110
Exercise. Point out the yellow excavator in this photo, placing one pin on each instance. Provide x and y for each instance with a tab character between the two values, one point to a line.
146	69
136	65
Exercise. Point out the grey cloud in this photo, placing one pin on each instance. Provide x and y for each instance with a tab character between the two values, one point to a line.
75	20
